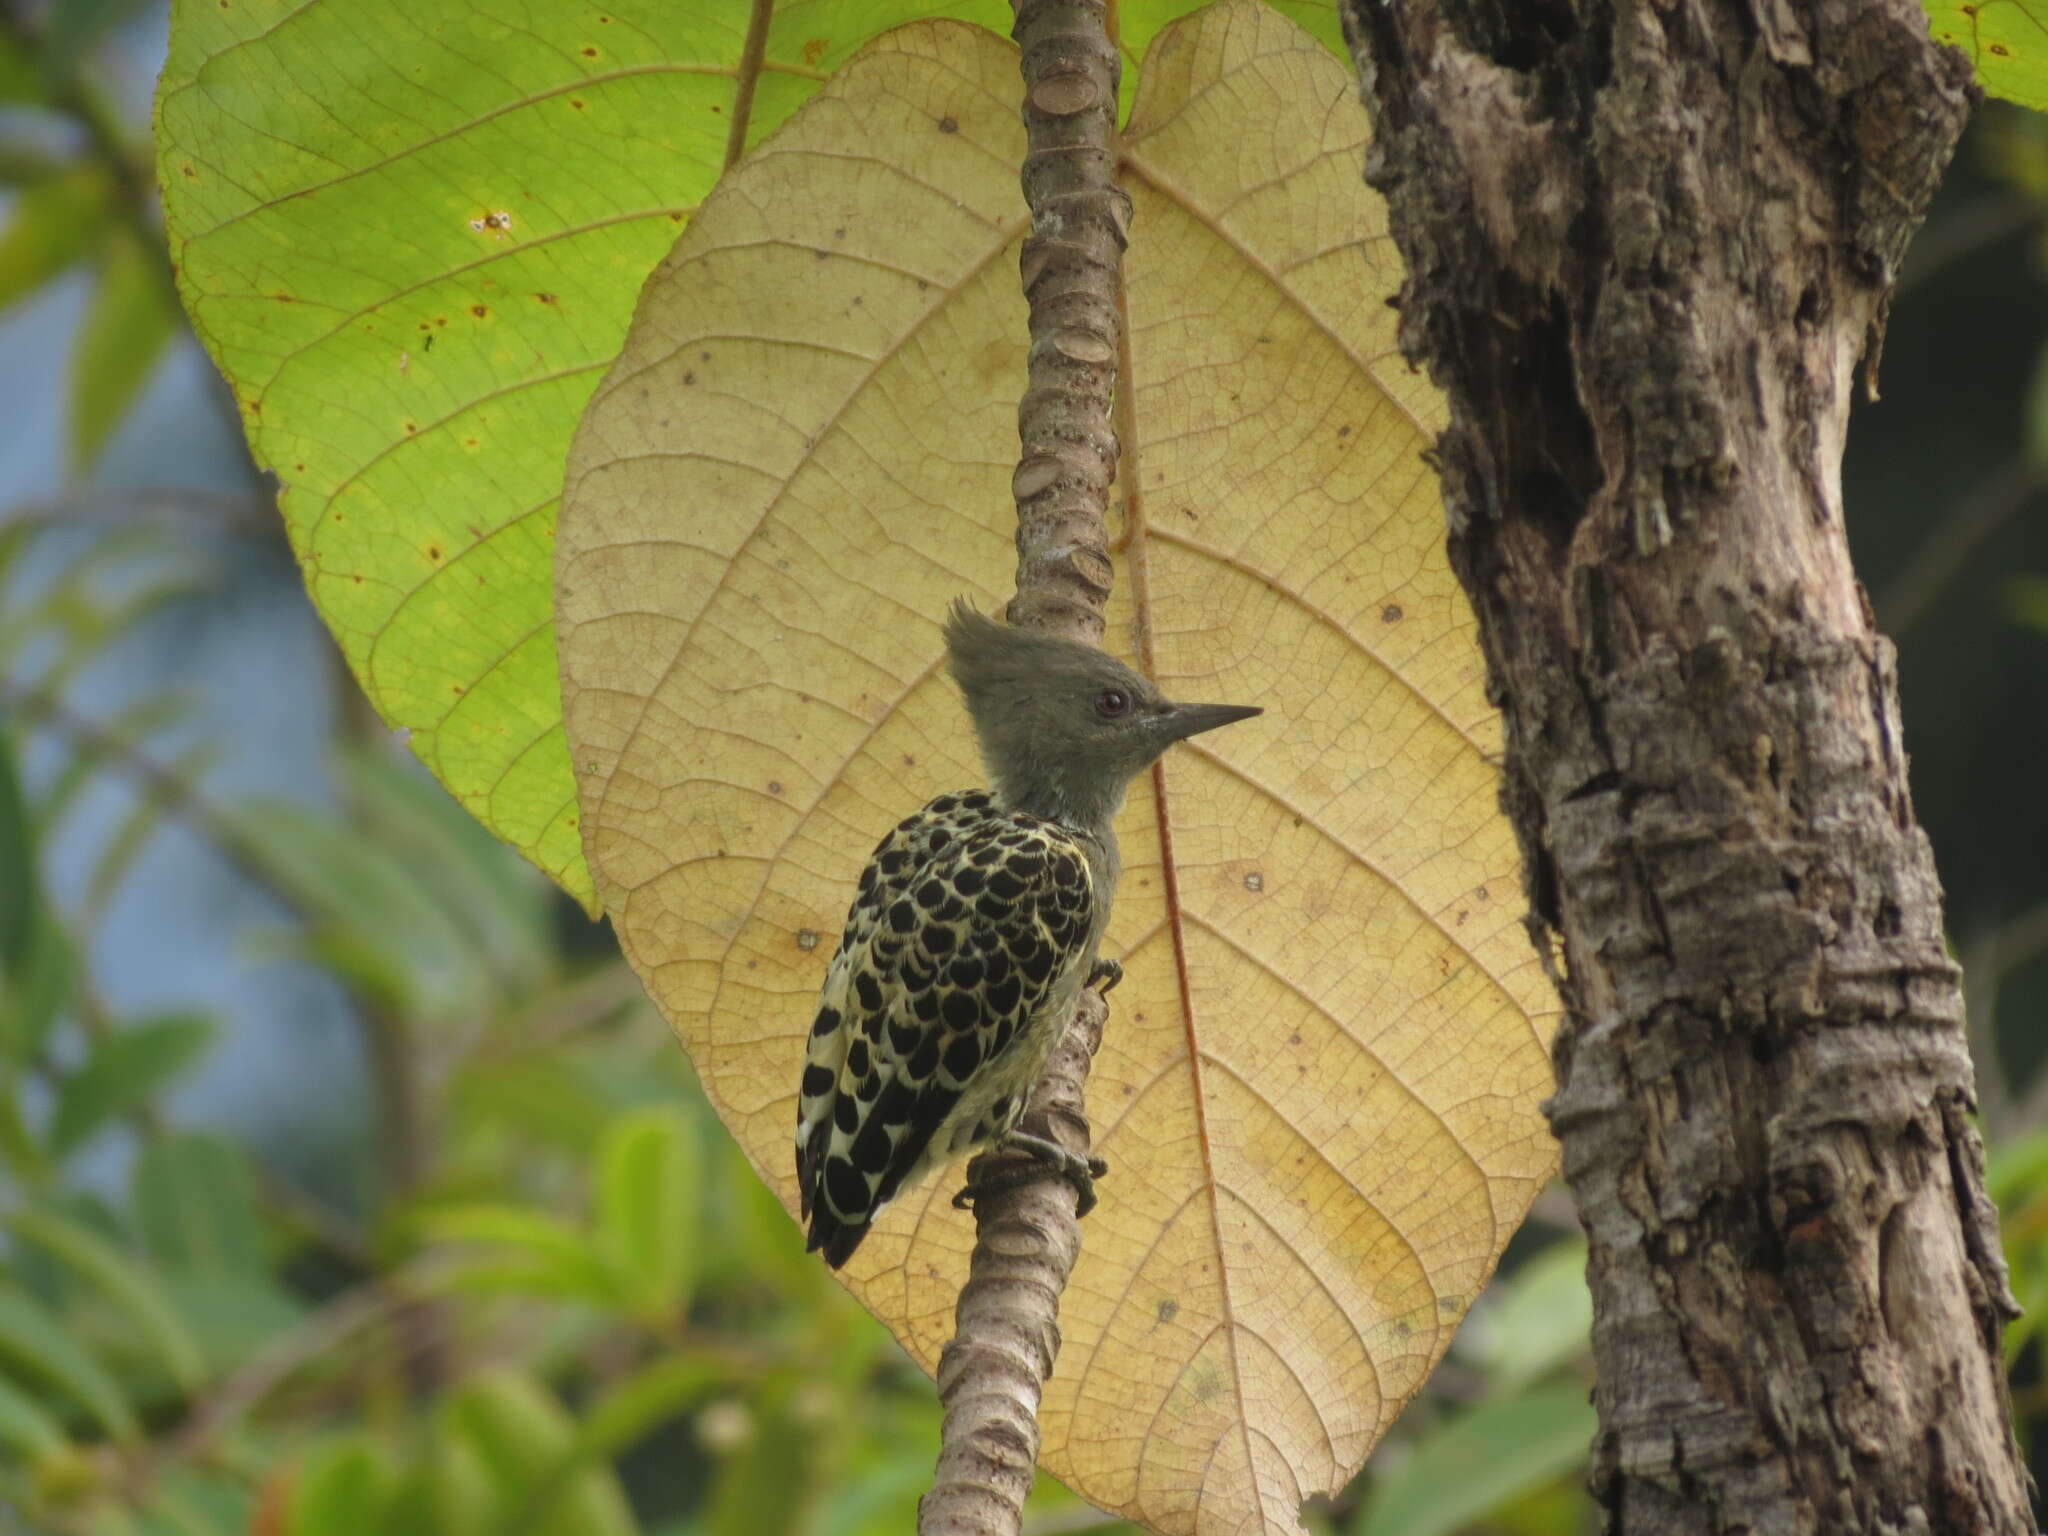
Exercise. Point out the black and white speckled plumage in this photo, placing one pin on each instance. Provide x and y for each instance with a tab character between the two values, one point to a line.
975	929
971	936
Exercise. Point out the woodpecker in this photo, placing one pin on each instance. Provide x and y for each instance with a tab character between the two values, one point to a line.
974	929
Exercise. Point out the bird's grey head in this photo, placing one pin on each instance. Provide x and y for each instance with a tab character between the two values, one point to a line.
1063	727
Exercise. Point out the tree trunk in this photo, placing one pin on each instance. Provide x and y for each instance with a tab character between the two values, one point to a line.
1649	246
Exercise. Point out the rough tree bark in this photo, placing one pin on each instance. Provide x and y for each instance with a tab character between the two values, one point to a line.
1649	247
1006	1324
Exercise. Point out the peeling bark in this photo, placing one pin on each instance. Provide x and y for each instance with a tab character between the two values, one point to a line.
1006	1325
1649	247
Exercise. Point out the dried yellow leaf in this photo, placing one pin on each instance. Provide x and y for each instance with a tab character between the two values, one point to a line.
1319	1087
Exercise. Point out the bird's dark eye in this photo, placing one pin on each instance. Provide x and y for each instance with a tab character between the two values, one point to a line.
1112	702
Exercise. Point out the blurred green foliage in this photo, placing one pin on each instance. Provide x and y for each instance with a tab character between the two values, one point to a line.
564	1267
560	1303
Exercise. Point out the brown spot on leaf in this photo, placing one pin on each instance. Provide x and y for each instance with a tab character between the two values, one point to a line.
479	310
949	124
1391	614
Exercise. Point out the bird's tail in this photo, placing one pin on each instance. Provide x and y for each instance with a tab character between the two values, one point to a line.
837	1238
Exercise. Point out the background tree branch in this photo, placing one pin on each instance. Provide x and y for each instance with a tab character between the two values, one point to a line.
1006	1328
1649	250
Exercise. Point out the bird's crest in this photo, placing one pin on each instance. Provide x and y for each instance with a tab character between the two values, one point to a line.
989	659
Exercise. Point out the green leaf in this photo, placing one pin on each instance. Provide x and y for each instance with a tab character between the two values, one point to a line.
2026	599
20	884
122	1072
538	1097
369	915
448	1492
769	1481
1469	1464
413	305
1539	1318
132	1289
198	1501
33	998
629	1411
125	844
55	223
2017	1169
196	1199
124	574
150	713
341	1490
35	1344
518	1430
233	1315
18	1148
20	80
126	329
25	1429
2007	44
502	908
648	1183
530	1251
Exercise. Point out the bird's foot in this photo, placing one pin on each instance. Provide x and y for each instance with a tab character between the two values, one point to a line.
1047	1156
1104	977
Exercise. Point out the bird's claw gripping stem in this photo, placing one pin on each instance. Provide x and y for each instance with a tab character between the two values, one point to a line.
1104	977
1046	1157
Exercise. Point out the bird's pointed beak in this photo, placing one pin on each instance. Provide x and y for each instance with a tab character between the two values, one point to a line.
1185	720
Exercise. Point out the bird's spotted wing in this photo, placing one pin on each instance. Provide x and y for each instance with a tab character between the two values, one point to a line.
968	920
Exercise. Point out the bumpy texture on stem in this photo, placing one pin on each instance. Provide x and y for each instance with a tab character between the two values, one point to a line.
1070	268
1649	248
1006	1327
